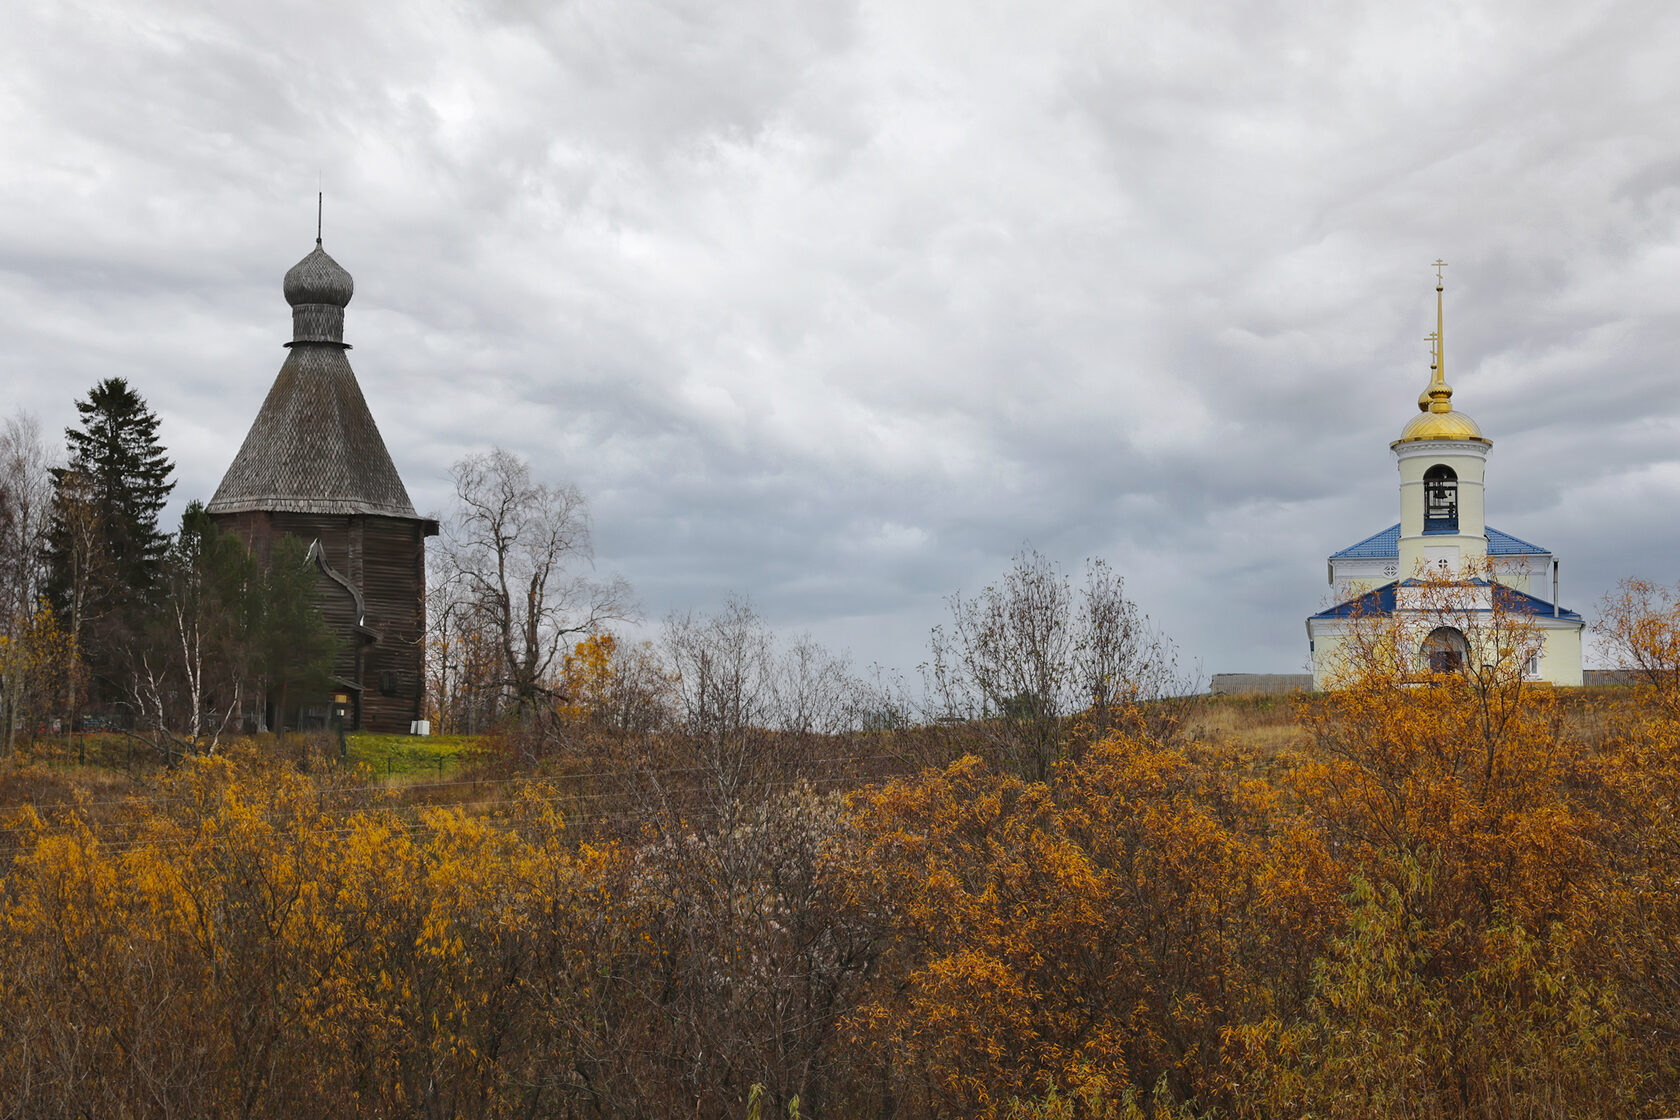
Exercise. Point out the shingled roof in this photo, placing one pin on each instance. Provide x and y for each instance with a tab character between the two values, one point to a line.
314	447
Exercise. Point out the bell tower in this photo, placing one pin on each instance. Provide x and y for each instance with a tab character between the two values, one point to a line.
1442	456
1443	532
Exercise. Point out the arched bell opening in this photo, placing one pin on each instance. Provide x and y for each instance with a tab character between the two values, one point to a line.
1440	499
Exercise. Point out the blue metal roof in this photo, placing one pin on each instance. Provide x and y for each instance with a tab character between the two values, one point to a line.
1380	600
1381	546
1504	544
1374	547
1376	601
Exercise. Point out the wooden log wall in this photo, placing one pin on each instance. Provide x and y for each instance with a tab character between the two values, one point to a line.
384	558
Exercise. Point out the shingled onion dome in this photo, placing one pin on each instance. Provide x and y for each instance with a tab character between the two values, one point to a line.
319	289
314	447
1439	420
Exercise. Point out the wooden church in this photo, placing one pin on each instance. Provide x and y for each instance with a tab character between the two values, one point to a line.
313	465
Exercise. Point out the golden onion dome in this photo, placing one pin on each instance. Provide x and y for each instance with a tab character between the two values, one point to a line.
1440	420
1447	424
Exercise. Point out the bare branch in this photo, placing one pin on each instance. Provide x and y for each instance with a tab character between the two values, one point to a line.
517	579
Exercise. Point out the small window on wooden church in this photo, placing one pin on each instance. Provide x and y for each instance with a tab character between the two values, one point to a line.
1440	500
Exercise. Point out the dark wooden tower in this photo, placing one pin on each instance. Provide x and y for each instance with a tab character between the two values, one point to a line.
313	465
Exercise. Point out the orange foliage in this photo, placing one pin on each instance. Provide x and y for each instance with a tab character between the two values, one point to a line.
613	687
246	950
1105	926
36	658
1477	828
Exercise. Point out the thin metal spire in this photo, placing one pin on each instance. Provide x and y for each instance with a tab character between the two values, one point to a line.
1440	328
1438	397
318	196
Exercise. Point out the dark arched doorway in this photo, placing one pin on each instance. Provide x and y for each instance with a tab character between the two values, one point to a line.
1444	651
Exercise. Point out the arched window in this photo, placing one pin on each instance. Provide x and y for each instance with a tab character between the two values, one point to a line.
1444	651
1440	500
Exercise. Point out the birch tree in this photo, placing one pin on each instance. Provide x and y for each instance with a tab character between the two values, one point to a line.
25	497
518	555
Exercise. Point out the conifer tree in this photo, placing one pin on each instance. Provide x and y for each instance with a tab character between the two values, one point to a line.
104	547
126	475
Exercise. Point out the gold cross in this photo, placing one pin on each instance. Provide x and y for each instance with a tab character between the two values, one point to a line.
1439	265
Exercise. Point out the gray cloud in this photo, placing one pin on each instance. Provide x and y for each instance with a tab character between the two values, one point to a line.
838	305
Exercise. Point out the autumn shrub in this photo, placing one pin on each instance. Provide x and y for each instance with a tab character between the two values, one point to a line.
1396	1028
1027	653
1478	963
1102	928
246	947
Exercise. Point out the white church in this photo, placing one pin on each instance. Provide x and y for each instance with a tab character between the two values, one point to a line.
1401	573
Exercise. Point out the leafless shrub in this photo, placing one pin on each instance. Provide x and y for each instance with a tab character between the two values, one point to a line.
1032	650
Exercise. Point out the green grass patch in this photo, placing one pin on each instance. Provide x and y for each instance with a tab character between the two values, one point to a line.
410	756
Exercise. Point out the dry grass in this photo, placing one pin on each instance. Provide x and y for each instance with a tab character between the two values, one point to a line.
1253	733
1264	725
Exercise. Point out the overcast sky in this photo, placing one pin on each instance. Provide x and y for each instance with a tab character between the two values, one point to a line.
838	305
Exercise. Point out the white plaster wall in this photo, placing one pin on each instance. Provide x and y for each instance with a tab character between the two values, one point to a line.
1469	462
1560	653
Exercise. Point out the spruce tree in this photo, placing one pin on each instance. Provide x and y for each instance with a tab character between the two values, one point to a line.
104	547
126	475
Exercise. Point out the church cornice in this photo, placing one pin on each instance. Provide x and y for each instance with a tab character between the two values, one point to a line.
1421	449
